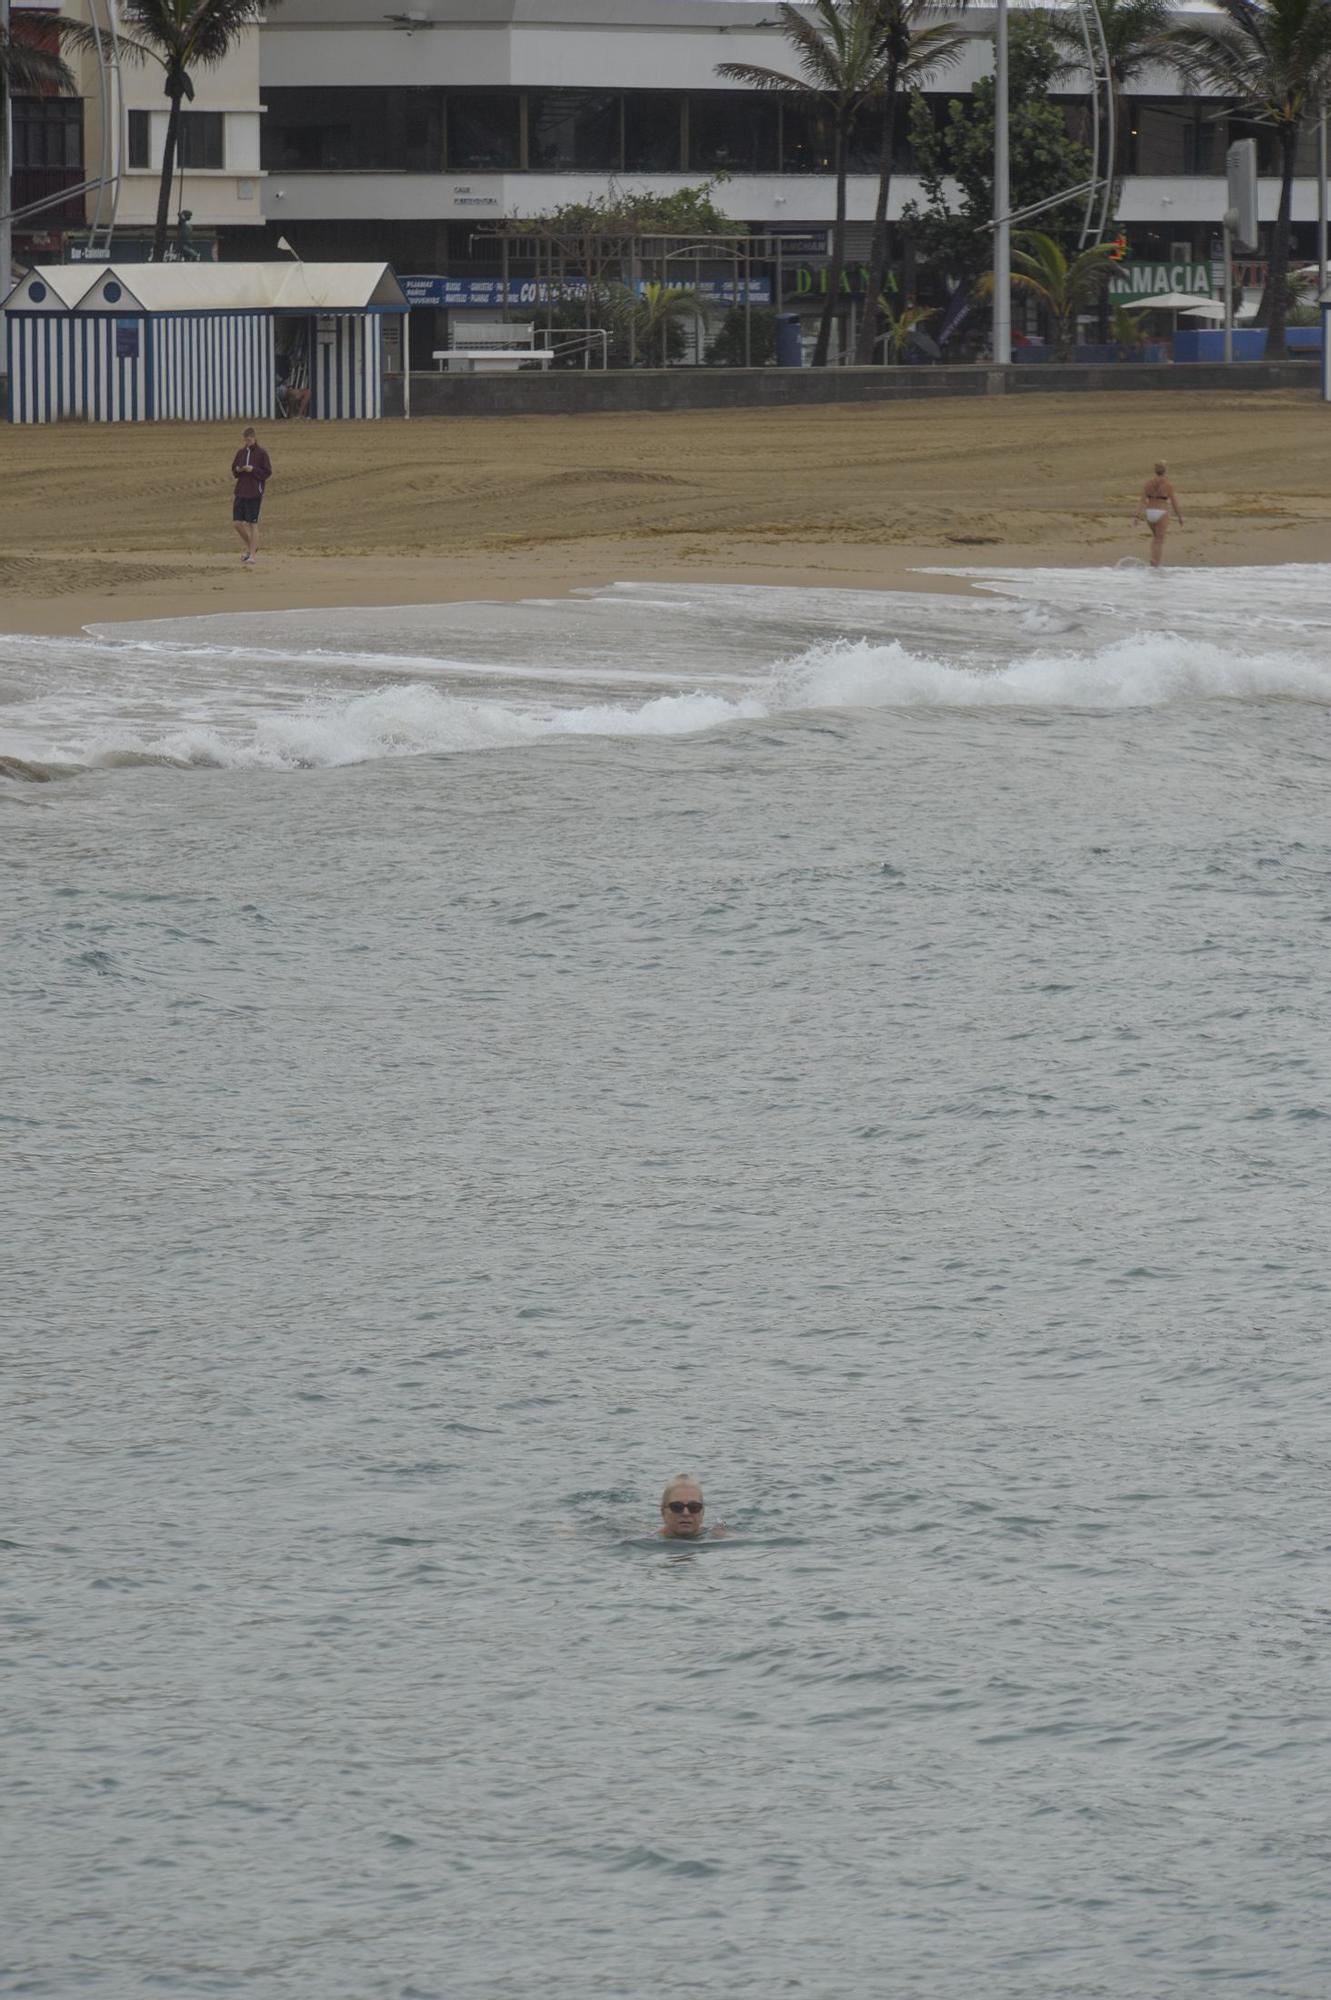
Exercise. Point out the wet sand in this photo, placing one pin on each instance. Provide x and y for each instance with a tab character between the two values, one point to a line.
127	522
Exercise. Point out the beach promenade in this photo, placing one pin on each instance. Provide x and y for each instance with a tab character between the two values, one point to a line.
131	522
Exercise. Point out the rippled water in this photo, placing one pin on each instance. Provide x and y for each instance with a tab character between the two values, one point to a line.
467	1065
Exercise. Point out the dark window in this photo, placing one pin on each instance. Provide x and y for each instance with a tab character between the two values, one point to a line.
806	139
199	142
1268	142
735	130
138	139
652	132
376	129
1175	135
48	132
864	145
47	155
483	130
420	115
573	128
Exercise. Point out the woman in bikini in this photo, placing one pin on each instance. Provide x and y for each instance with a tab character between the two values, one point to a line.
1158	497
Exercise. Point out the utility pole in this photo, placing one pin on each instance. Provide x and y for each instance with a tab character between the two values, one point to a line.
1322	201
1002	341
6	180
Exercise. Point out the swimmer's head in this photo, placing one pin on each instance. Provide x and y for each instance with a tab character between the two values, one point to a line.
682	1508
1159	468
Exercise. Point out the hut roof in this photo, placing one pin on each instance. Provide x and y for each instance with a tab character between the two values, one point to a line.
165	288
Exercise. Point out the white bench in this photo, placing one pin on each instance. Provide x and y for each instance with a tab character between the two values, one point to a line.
491	360
493	347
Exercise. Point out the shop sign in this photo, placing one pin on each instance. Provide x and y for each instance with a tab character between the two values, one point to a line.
809	281
1145	281
794	242
489	292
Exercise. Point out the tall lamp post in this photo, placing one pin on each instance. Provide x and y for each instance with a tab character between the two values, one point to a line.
1322	201
1002	341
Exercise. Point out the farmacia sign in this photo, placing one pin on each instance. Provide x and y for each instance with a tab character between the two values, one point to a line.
1145	281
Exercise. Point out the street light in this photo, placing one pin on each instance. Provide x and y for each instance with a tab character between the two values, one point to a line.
1002	340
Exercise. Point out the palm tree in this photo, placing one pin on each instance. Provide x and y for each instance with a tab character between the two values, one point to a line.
648	318
1274	57
899	326
181	35
26	69
1063	285
841	56
911	48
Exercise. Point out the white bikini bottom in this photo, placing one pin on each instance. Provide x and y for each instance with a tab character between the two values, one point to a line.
1154	514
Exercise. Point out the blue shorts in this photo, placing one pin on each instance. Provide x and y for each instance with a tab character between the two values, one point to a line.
246	510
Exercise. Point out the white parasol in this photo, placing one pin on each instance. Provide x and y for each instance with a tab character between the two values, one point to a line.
1174	302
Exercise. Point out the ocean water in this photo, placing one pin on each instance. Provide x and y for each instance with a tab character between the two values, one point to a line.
465	1065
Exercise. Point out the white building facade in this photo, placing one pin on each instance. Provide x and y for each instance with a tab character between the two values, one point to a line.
362	134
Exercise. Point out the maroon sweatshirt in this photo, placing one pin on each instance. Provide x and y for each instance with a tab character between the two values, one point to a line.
251	468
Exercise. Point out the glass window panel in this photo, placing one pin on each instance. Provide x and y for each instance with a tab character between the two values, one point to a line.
1176	136
806	139
138	138
573	128
328	130
482	129
371	129
733	129
865	141
1268	143
199	142
652	132
418	121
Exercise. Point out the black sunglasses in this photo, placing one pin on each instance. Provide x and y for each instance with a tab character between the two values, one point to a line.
685	1506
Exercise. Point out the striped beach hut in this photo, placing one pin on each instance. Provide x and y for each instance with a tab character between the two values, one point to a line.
134	343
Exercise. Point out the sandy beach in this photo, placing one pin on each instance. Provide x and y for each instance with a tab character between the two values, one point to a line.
108	523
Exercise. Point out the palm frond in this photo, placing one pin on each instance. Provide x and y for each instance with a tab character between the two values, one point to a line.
759	78
29	68
931	49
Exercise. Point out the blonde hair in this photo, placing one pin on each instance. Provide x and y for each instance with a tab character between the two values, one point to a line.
680	1479
1159	468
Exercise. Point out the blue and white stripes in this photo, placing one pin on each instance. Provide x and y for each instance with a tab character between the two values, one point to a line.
347	371
212	365
74	365
182	366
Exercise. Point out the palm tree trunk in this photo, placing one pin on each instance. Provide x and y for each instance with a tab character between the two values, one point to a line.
837	262
168	175
866	340
1275	301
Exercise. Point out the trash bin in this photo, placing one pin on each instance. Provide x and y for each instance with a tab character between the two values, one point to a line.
789	352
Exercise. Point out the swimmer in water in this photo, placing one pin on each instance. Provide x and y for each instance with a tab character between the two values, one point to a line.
683	1511
1158	497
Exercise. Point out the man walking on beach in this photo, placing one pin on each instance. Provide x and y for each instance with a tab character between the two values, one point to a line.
251	468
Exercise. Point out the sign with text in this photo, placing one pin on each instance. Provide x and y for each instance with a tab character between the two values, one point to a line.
488	293
1144	281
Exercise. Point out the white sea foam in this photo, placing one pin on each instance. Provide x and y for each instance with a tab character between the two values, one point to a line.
183	699
408	722
1146	671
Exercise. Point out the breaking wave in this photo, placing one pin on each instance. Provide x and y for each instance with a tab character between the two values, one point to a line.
291	730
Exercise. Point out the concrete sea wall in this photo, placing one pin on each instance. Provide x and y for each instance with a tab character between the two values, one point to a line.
584	392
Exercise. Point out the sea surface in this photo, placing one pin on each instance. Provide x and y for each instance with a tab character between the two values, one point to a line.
465	1065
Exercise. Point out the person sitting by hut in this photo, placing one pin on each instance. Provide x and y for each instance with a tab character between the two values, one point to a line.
293	396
